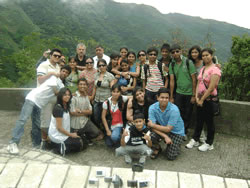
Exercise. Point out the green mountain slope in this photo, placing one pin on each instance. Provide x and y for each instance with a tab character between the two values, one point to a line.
110	23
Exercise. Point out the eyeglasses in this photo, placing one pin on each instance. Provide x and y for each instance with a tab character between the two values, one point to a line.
152	54
102	65
177	51
89	63
142	55
57	56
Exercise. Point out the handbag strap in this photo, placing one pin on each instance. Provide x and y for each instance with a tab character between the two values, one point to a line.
206	85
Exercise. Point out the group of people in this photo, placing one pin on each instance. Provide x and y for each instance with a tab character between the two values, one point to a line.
133	105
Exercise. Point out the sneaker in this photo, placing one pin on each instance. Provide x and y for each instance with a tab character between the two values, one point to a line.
142	159
192	143
205	147
128	159
12	148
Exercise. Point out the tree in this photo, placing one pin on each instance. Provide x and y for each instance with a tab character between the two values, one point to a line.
236	73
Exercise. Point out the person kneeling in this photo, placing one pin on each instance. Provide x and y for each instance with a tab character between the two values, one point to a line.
166	123
135	140
59	129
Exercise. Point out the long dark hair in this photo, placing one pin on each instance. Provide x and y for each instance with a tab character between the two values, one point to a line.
134	101
60	95
196	47
73	57
120	101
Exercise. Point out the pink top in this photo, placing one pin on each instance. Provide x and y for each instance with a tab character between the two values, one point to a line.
90	77
212	70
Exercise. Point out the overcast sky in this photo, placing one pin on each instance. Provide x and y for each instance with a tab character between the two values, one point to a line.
231	11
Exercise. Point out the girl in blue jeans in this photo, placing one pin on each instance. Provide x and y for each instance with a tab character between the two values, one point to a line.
112	116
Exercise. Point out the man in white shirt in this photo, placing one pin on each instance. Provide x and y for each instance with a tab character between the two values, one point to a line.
99	50
37	98
44	71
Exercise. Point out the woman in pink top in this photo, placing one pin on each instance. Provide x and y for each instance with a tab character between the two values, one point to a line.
89	74
208	80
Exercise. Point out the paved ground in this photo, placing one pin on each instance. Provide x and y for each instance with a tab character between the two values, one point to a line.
35	168
228	159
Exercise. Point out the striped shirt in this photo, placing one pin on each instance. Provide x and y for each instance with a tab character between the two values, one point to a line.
154	78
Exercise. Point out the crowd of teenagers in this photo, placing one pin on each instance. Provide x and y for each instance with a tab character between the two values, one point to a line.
137	103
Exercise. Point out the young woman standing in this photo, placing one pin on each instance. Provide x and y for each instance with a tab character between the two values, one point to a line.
206	92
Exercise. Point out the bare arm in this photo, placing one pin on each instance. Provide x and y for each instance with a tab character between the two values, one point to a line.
129	114
105	123
214	81
81	68
81	113
166	82
143	84
164	136
194	82
172	88
137	73
124	134
43	78
165	129
60	128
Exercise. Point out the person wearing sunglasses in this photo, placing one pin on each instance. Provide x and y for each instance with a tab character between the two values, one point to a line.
89	75
99	51
103	82
153	75
182	74
45	71
141	55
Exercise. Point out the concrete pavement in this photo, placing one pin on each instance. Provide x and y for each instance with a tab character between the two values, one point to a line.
227	165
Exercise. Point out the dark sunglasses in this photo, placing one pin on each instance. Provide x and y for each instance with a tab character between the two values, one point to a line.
177	51
87	63
152	54
57	56
102	65
142	55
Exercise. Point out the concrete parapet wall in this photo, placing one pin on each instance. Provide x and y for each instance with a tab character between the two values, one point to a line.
234	118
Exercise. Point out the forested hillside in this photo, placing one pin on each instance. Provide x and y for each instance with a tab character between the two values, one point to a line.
113	24
28	27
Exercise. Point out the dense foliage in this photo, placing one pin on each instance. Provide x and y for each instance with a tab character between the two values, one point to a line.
32	26
235	82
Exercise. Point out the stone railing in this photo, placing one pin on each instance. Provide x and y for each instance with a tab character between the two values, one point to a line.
234	118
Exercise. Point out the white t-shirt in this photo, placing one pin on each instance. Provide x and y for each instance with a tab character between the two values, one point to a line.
42	94
105	57
54	134
46	67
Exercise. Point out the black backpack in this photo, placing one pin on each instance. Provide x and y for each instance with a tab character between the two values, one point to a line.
146	69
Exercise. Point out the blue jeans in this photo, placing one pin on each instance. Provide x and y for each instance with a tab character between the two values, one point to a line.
115	138
29	109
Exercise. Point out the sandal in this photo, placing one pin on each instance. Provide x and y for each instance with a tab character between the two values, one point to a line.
156	152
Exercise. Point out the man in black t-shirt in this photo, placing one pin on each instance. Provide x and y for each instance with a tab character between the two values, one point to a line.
81	56
135	140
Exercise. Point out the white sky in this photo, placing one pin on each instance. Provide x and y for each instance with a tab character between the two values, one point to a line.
231	11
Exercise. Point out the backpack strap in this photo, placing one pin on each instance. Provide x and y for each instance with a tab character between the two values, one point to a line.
159	64
146	68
